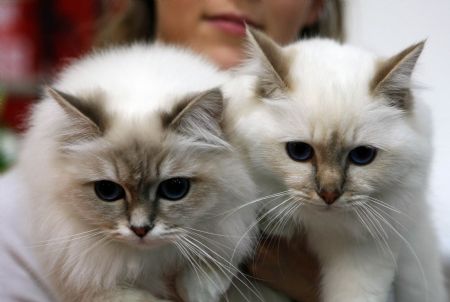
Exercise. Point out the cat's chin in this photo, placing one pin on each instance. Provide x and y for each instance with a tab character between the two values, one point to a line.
325	208
145	243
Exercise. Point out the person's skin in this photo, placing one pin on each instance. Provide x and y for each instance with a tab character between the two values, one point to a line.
216	29
287	266
212	27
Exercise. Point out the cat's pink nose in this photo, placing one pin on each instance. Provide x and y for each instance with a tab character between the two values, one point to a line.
329	196
141	231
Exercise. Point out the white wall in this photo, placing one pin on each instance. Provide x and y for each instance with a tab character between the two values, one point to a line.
388	26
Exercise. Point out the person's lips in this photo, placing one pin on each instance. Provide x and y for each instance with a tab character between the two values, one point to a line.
231	23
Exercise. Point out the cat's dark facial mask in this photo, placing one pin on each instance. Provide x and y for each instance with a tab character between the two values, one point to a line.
330	164
142	182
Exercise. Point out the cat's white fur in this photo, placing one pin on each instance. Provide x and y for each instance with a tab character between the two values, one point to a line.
137	83
326	91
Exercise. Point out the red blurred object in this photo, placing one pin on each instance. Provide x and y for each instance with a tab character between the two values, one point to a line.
19	41
16	111
71	26
36	37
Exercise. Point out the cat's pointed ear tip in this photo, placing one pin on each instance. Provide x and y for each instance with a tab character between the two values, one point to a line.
249	32
252	32
216	91
50	90
53	93
419	46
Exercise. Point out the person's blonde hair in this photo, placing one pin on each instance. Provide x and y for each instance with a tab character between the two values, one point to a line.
138	22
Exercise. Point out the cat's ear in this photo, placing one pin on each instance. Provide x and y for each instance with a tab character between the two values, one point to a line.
87	114
266	60
392	78
199	117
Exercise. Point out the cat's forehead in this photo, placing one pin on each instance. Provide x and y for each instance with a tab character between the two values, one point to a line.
141	78
326	73
136	160
330	88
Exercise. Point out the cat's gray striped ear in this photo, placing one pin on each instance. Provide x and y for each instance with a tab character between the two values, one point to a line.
392	79
199	117
87	115
266	60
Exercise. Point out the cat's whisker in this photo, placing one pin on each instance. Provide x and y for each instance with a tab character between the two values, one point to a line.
193	249
411	249
383	219
380	206
68	236
216	243
96	245
299	193
298	204
185	253
200	254
200	257
381	232
66	267
270	227
276	196
286	213
210	233
389	215
363	221
286	217
380	242
256	223
214	253
378	225
385	205
380	236
279	225
229	267
65	244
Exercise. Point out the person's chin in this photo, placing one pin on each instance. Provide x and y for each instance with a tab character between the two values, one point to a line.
226	56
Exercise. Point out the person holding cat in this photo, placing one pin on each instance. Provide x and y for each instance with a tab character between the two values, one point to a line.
216	30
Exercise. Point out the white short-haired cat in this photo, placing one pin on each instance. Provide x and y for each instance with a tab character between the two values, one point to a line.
129	179
334	134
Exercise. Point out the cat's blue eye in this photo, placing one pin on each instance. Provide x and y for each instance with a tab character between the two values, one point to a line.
299	151
108	191
362	155
174	188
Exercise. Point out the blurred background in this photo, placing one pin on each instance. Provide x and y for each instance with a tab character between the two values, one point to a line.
37	37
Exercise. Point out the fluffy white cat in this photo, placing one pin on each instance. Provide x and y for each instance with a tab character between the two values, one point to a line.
341	149
128	179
